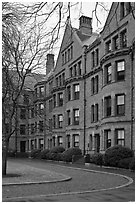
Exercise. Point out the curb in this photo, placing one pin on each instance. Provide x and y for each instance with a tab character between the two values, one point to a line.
37	182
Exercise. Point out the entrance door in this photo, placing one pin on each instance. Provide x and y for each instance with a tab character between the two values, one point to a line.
97	136
22	146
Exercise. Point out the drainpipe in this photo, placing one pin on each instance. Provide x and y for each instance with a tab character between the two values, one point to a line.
84	77
132	94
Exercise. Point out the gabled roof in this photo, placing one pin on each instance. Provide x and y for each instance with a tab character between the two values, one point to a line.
82	36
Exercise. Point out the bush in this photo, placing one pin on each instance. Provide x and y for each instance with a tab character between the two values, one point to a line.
124	163
132	164
114	154
43	153
22	154
97	159
58	149
67	155
11	153
87	158
35	153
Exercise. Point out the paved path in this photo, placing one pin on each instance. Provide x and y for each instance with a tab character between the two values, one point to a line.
84	186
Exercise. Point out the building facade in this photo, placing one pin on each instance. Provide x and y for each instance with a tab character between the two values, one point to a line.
87	99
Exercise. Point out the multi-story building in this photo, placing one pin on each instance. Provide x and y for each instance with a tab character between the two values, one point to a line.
87	98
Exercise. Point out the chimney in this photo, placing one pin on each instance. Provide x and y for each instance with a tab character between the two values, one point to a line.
85	25
49	63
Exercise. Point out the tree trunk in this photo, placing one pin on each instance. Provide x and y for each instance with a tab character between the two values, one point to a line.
4	157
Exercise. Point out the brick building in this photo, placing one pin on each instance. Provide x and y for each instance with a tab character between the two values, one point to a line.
87	99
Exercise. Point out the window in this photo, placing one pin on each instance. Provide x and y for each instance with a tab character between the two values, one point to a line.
92	113
69	54
120	137
41	143
107	134
75	70
93	58
41	126
41	91
76	116
120	70
54	100
57	82
32	112
50	124
108	46
50	105
63	58
54	141
22	129
50	87
36	92
60	121
107	106
54	121
71	72
35	127
22	113
69	93
79	68
25	99
60	140
36	109
76	91
94	85
41	108
68	141
96	112
71	50
125	9
116	42
60	82
76	140
123	36
68	117
63	78
108	73
60	99
97	57
120	104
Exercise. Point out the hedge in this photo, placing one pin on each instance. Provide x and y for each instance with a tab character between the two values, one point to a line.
58	149
97	159
35	153
67	155
116	153
43	153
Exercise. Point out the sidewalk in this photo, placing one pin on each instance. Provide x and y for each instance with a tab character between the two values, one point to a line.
18	174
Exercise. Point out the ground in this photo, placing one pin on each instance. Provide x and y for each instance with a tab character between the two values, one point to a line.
52	181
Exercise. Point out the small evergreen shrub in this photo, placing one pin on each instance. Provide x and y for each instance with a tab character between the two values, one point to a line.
58	149
97	159
43	153
132	164
35	153
87	158
114	154
67	155
124	163
11	153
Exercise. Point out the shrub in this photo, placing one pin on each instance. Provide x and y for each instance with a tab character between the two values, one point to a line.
22	154
11	153
132	164
114	154
87	158
43	153
124	163
58	149
35	153
97	159
67	155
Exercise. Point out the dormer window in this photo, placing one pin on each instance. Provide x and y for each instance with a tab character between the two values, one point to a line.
108	46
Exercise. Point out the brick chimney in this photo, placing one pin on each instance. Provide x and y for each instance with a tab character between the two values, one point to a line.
85	25
49	63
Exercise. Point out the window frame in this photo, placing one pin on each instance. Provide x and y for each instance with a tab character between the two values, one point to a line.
118	112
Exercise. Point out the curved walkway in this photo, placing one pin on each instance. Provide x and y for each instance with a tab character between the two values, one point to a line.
83	181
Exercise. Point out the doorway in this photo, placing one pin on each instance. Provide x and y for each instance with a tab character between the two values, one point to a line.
22	146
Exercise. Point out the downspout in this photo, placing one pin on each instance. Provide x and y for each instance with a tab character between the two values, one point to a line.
132	94
84	77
